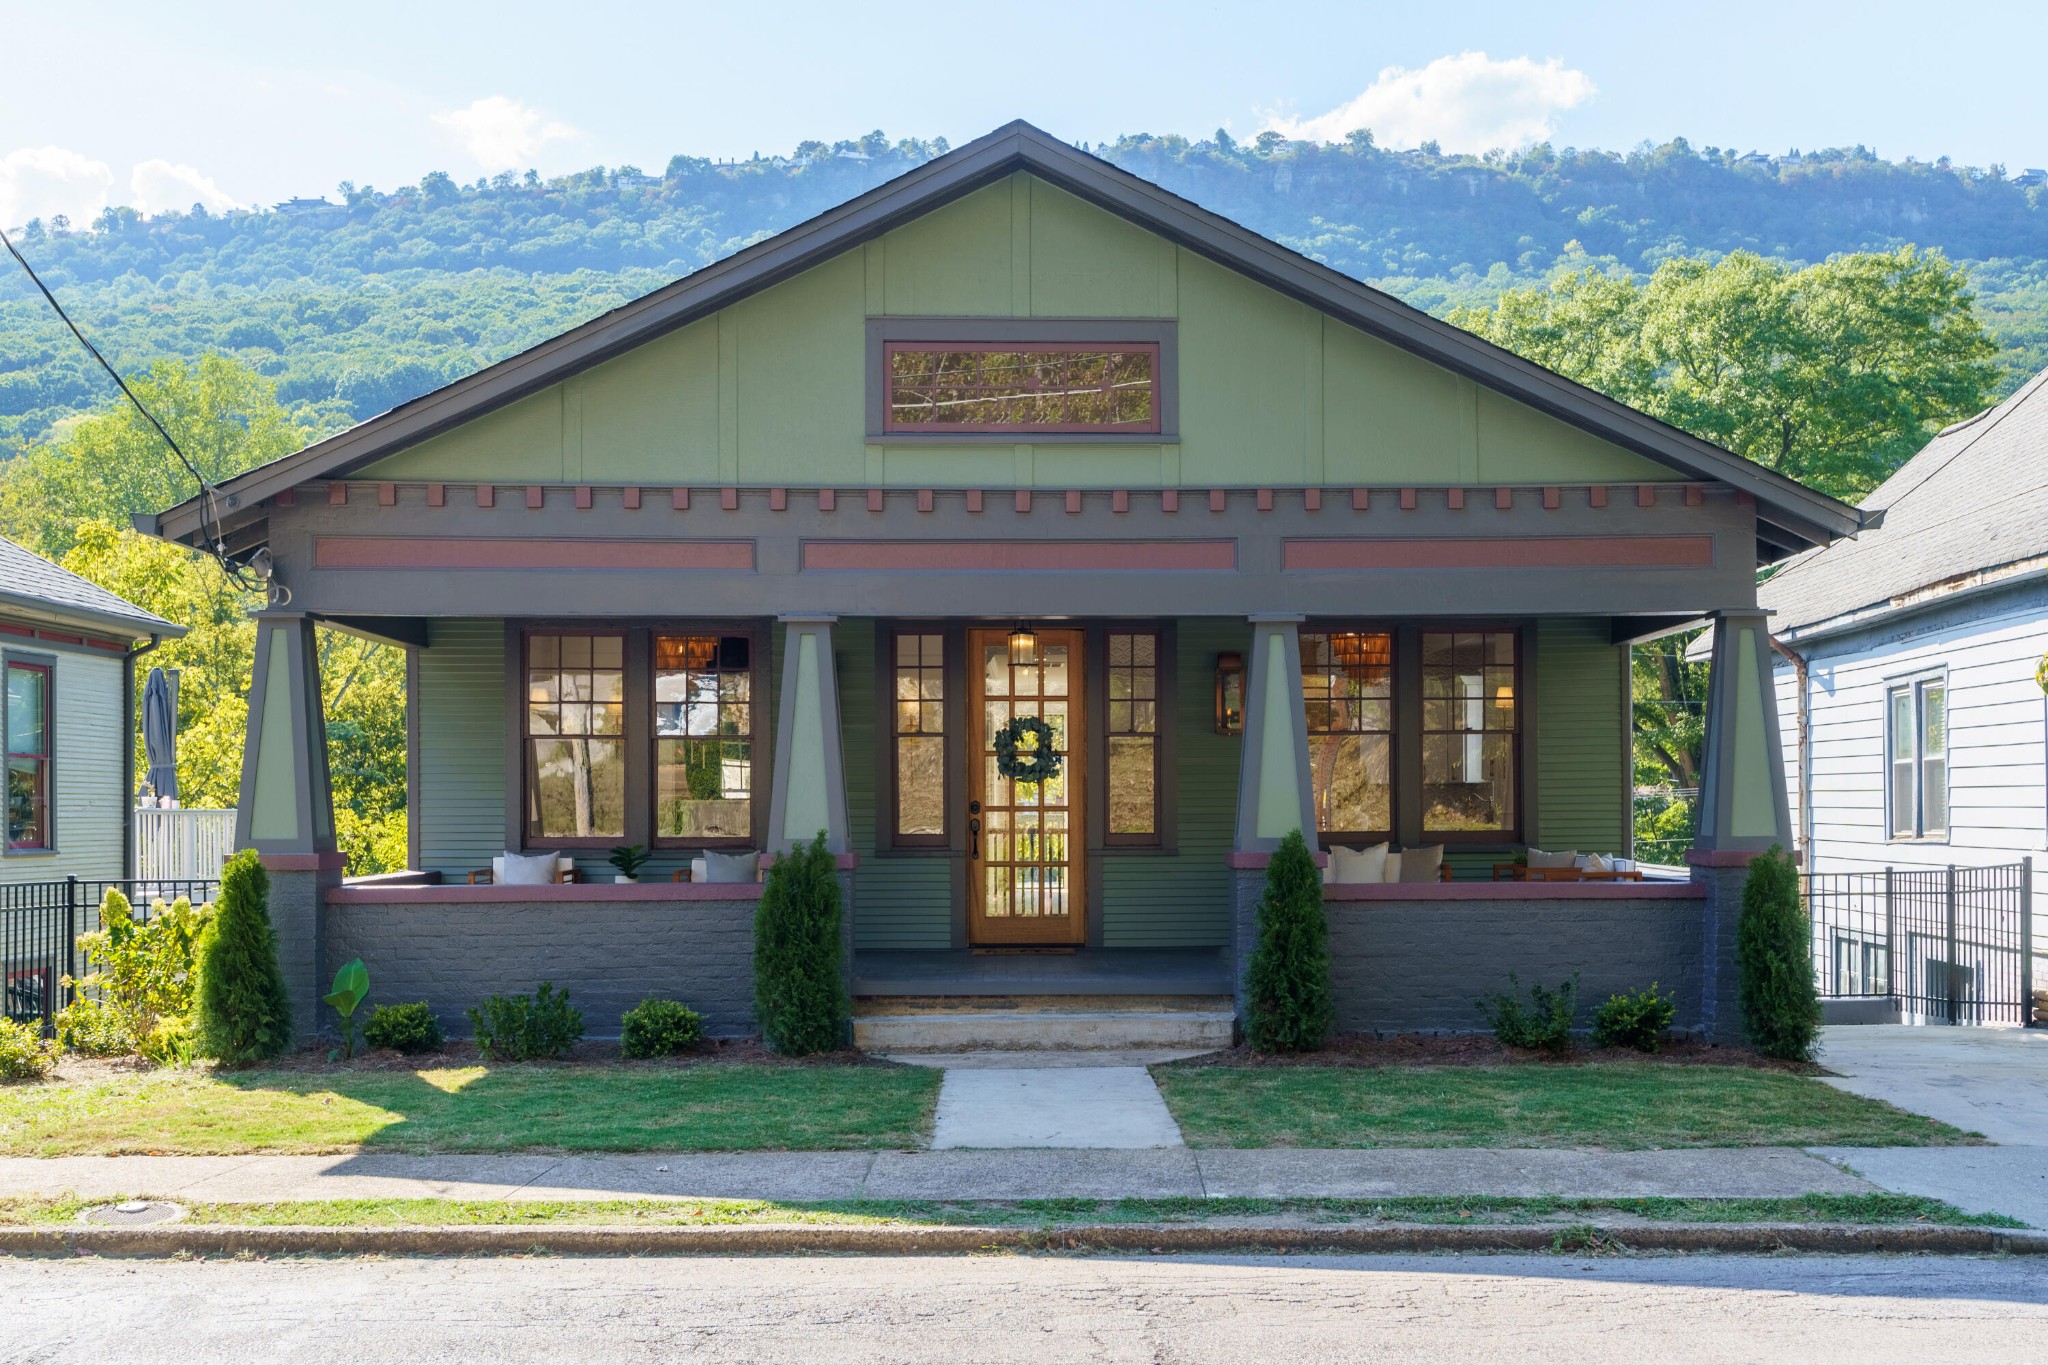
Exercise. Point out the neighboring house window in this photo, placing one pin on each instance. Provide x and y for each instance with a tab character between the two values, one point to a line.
1132	727
964	386
920	731
29	741
575	736
1918	722
1347	680
1468	731
703	738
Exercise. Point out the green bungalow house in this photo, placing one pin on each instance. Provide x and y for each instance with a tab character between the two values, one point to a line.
794	543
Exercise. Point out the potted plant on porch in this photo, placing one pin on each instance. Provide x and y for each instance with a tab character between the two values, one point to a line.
629	859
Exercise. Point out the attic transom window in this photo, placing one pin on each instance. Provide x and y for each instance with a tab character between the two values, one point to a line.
966	386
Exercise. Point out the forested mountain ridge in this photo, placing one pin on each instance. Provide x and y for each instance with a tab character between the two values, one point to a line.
357	305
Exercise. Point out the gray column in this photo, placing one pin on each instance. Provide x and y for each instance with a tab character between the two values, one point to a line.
1274	793
810	769
286	811
1742	805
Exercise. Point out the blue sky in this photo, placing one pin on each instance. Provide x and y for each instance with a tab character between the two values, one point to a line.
243	102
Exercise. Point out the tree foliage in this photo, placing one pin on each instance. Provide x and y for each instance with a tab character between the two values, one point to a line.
1833	374
1288	1005
799	986
1774	961
244	1013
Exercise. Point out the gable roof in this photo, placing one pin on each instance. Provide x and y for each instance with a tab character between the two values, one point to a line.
1791	516
1972	505
31	583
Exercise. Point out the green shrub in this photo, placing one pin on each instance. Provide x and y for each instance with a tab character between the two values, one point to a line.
660	1028
521	1028
142	983
1544	1024
1288	1007
24	1056
1774	961
799	991
1634	1019
404	1028
244	1014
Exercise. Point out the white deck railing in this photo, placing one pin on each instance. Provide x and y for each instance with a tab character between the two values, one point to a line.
182	845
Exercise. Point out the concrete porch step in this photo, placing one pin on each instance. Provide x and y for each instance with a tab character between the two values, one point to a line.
956	1024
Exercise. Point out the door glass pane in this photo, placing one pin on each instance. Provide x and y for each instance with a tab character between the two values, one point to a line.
1902	767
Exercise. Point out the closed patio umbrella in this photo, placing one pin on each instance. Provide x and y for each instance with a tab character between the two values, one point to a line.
160	735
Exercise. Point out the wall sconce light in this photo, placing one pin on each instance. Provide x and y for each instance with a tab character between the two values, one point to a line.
1230	694
1023	646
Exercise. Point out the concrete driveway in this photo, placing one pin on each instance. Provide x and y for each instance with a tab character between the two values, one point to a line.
1992	1081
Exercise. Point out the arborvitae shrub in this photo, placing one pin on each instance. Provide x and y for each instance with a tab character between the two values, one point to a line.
1288	1006
660	1028
244	1012
799	991
1774	961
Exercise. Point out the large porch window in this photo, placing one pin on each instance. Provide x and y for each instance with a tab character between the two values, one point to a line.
703	737
1133	737
1468	731
1347	680
575	736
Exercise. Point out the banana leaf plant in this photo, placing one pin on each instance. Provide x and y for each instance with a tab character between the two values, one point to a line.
351	985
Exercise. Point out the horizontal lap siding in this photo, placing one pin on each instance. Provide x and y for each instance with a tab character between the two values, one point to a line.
1184	900
899	901
1997	809
461	761
1582	791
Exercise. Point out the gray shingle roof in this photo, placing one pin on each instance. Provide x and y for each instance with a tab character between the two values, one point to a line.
27	580
1975	499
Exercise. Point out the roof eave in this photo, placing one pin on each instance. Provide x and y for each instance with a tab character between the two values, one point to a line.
85	618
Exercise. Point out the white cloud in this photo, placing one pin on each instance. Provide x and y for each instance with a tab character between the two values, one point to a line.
1467	103
41	182
160	186
503	134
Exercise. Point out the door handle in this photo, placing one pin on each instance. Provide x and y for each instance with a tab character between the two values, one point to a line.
974	839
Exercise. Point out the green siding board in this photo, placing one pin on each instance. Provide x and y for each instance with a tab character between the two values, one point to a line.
1581	772
461	815
898	901
771	390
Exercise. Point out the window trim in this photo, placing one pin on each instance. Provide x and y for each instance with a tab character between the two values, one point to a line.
997	332
1914	686
951	719
1166	718
1396	790
638	733
45	664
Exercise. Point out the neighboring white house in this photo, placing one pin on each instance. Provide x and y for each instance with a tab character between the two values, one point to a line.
1916	650
67	650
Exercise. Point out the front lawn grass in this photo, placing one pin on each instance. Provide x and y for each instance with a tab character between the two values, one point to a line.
1615	1105
736	1108
1049	1214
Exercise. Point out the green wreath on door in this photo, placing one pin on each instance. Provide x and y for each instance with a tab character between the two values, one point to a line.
1019	764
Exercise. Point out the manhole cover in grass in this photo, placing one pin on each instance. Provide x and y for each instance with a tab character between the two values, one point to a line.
134	1213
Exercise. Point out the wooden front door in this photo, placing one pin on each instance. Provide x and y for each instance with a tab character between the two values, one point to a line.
1025	883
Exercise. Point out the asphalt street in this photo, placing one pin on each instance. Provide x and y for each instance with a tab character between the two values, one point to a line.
1036	1309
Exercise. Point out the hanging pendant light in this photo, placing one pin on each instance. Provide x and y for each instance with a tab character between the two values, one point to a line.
1023	646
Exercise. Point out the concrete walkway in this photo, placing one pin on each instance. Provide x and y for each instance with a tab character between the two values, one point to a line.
1159	1172
1097	1106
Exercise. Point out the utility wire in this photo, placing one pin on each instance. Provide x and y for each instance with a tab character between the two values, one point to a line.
206	490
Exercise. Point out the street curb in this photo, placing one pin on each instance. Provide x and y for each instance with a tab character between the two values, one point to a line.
788	1239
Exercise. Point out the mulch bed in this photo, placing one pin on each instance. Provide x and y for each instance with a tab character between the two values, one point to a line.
1480	1049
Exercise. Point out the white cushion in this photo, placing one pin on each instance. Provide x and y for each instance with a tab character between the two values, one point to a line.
1594	862
1419	864
1538	858
1353	865
518	869
1624	864
728	868
1393	872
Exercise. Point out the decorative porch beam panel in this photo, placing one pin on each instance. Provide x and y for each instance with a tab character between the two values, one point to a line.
1526	552
406	552
1743	807
285	807
1047	556
810	767
1274	794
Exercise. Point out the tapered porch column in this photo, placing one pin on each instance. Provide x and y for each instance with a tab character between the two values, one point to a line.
1274	794
1742	804
286	812
810	770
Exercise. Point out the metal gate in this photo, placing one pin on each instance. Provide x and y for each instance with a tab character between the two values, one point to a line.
1950	945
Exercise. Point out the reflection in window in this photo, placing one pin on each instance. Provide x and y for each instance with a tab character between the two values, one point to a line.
1133	730
1919	760
1468	731
1347	681
703	737
920	736
28	756
575	720
1056	387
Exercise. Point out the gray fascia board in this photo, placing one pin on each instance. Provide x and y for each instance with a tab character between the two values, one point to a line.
63	614
1014	147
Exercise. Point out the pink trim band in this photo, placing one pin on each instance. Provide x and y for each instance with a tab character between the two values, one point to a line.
1533	552
1014	556
408	552
1511	891
574	893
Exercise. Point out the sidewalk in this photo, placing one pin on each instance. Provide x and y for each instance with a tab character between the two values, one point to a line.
805	1177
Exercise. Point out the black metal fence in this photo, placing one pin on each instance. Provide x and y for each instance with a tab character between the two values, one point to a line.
39	927
1949	945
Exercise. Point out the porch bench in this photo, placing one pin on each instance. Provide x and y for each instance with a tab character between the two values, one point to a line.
1516	872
